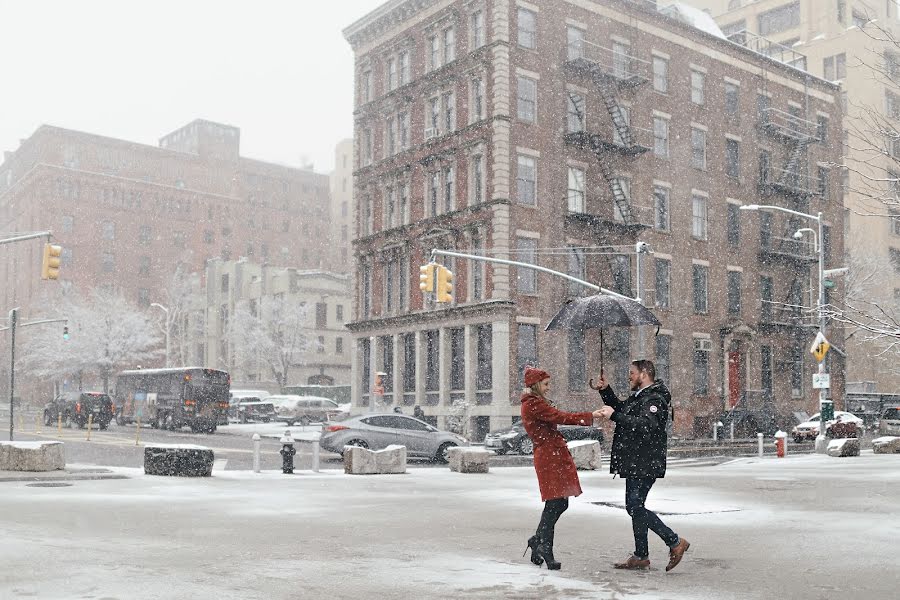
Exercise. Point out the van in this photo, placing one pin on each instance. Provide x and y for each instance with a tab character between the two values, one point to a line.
890	421
304	409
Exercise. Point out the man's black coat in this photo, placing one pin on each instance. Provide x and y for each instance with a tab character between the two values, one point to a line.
639	442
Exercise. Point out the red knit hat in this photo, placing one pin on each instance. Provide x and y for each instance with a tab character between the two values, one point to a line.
533	375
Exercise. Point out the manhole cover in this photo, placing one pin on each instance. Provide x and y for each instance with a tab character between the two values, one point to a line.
670	513
49	484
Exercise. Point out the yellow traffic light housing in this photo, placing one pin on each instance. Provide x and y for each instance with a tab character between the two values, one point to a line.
444	285
50	263
426	277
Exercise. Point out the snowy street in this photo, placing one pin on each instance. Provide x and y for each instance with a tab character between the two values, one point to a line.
802	527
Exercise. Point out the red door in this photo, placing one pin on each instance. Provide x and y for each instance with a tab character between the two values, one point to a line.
735	384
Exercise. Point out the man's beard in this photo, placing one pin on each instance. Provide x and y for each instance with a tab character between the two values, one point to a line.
635	386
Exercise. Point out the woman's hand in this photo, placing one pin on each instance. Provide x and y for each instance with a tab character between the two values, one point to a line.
602	384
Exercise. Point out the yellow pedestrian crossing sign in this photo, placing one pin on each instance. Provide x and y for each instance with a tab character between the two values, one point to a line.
820	347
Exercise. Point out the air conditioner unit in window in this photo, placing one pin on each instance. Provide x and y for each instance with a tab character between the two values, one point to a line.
430	132
702	345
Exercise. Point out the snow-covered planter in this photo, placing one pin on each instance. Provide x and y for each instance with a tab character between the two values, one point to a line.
32	456
586	454
179	460
843	447
888	444
362	461
468	460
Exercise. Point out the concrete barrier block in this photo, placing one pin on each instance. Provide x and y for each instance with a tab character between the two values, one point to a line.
178	460
32	456
362	461
843	447
586	454
469	460
888	444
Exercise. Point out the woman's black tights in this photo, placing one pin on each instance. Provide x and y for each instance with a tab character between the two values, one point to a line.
553	510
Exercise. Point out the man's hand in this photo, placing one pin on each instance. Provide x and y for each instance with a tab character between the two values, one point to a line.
605	412
602	384
598	414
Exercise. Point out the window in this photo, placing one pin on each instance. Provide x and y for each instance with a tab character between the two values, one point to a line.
476	22
617	132
895	259
575	117
320	346
577	269
526	99
765	295
733	226
834	67
699	217
526	184
390	130
477	178
477	112
841	11
404	75
391	73
526	249
366	291
779	19
796	351
144	234
365	87
698	83
765	367
477	267
734	292
449	188
732	99
449	45
698	148
621	274
574	43
339	313
618	206
434	190
526	28
409	362
109	230
432	360
577	360
434	52
484	379
660	75
663	287
68	223
321	315
661	137
144	265
663	357
735	31
732	158
621	61
65	258
368	150
701	370
575	192
895	222
700	288
765	160
143	297
526	347
661	208
457	358
448	102
403	208
108	262
339	345
823	182
822	128
859	19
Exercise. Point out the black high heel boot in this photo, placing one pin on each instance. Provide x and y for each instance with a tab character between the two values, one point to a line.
533	543
545	553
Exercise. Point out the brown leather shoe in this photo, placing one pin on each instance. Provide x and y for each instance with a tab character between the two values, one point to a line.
633	563
676	552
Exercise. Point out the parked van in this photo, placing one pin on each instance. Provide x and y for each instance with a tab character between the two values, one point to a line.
304	409
890	421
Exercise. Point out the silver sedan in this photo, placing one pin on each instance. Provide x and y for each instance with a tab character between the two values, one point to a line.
378	431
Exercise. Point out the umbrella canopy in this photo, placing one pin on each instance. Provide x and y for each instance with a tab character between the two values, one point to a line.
599	311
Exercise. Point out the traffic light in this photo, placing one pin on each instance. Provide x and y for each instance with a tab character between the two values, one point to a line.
444	284
50	264
426	277
66	333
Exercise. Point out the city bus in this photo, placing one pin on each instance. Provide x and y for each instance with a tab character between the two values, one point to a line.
173	398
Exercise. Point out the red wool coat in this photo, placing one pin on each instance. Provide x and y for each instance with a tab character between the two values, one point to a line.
556	473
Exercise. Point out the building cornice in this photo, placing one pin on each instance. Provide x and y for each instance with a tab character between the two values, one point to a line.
382	18
434	317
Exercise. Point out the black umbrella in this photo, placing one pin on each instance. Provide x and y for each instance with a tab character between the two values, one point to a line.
600	311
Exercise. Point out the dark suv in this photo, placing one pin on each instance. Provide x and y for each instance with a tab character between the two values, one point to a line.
75	408
514	438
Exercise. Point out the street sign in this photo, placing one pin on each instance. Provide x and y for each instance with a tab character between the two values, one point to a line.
820	347
821	381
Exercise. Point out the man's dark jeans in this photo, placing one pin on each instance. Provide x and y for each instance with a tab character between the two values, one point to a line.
642	519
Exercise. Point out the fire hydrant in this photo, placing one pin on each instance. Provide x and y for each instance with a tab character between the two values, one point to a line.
780	444
287	453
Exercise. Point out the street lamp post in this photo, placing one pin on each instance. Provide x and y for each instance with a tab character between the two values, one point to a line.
165	310
820	439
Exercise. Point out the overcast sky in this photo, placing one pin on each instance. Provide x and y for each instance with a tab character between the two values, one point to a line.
136	70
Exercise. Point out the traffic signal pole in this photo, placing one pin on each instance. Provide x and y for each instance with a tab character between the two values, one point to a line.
28	236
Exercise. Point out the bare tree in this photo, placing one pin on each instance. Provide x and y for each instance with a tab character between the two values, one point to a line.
182	296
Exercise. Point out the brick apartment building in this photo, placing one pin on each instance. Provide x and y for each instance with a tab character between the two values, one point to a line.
561	133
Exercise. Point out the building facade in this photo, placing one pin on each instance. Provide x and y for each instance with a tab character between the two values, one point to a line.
840	44
561	134
342	208
303	311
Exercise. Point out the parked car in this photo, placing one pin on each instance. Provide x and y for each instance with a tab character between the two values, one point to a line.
252	409
305	409
514	438
76	408
889	423
380	430
808	430
236	396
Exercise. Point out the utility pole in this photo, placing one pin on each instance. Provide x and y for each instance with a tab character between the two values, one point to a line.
13	317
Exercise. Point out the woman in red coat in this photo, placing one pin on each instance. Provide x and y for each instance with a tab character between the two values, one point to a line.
556	473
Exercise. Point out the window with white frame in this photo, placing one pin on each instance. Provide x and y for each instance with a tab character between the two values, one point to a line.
661	137
575	117
621	60
365	86
477	111
732	158
476	178
449	188
732	98
434	51
526	180
449	39
404	74
403	203
403	123
526	28
476	24
448	105
368	148
433	116
661	208
402	282
698	148
701	288
526	99
390	208
574	42
698	83
660	74
662	295
390	135
734	292
699	217
625	185
575	191
434	193
391	73
526	252
390	268
701	367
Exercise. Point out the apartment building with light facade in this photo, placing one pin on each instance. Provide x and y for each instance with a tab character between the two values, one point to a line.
342	209
839	46
560	134
262	290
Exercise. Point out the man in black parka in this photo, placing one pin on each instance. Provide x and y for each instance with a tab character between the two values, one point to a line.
639	456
